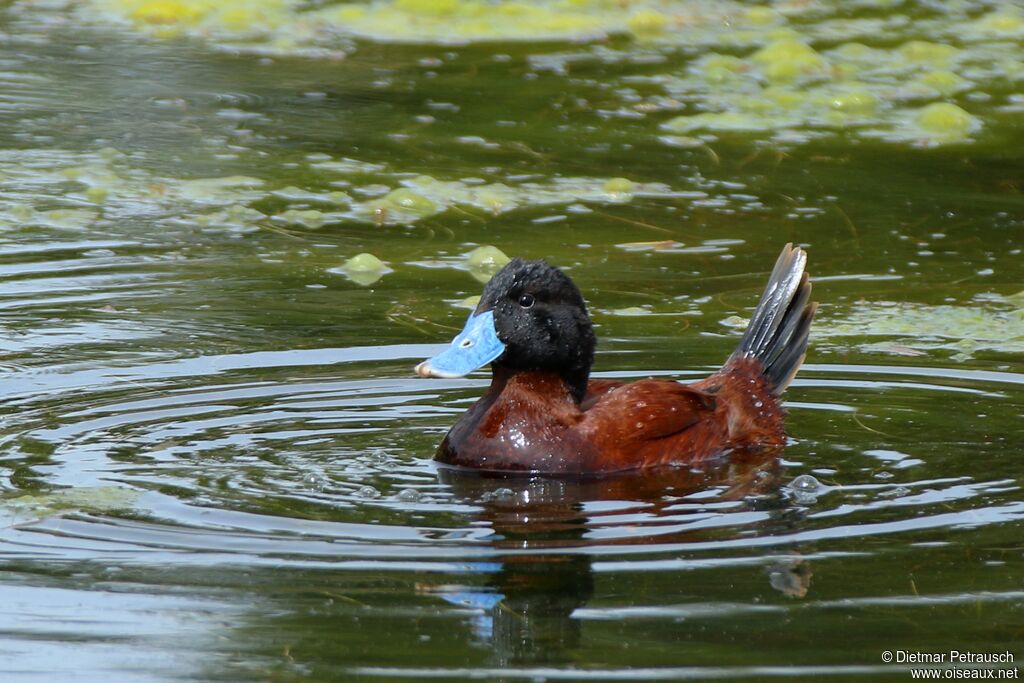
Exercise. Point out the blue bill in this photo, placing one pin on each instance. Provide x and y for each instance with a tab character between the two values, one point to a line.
475	346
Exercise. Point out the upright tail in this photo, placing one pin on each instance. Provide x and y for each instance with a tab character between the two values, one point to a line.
778	330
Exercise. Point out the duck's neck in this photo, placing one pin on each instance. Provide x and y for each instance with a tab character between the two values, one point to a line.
577	381
551	385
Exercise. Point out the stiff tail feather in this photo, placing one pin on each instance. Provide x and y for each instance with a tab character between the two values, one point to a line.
778	330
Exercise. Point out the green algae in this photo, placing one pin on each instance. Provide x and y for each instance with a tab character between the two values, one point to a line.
424	196
944	83
659	245
484	261
242	203
364	263
1004	23
718	69
306	218
363	269
91	499
235	218
298	194
97	195
212	191
405	200
931	54
470	20
947	121
854	102
788	59
470	302
647	22
281	26
792	92
962	330
619	187
630	311
1013	299
728	121
24	216
64	219
735	322
845	79
314	29
496	198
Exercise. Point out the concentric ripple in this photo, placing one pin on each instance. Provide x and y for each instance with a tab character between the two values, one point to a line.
285	464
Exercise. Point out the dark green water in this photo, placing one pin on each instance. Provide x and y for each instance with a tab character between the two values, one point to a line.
216	461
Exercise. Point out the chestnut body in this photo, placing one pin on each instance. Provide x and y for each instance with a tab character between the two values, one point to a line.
543	414
529	422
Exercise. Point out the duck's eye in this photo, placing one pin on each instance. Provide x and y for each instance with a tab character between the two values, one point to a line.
526	300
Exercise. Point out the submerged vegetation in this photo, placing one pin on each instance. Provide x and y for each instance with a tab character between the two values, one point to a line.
790	70
991	324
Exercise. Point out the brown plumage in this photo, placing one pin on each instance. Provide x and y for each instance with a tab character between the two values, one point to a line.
543	414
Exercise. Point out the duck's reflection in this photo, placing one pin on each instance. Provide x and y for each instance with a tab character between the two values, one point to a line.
546	532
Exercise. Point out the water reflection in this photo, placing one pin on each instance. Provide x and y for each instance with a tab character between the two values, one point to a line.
526	614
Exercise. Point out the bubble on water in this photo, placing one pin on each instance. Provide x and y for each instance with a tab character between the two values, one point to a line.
806	489
381	460
806	483
367	492
315	482
502	495
897	492
409	495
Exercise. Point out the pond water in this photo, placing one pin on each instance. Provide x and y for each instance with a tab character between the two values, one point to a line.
216	460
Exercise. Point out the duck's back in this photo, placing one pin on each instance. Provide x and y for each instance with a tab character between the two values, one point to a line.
531	424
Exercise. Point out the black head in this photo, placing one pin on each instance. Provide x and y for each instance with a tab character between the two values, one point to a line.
540	316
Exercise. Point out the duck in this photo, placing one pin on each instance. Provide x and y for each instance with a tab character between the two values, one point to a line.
543	414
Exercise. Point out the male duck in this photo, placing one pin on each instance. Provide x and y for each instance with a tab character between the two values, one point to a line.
543	414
